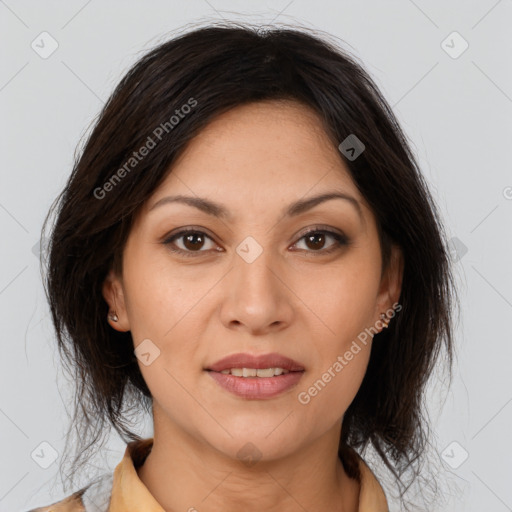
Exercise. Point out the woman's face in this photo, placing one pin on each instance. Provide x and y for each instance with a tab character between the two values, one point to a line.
250	281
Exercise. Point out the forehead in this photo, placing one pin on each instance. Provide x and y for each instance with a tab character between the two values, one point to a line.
261	147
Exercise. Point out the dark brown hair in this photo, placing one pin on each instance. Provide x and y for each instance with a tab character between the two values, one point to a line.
219	67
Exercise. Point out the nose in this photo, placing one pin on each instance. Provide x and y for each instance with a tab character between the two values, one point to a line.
257	298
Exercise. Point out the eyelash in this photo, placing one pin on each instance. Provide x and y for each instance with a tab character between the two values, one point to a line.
340	241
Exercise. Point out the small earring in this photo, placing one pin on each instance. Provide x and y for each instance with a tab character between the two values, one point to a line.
385	320
113	317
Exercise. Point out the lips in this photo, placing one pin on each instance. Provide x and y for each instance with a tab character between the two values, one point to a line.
256	388
273	360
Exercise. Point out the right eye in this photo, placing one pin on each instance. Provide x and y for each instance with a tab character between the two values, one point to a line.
192	241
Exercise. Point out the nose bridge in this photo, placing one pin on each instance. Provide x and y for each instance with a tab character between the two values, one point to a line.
257	295
255	267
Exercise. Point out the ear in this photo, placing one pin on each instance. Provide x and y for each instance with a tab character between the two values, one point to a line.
113	293
390	285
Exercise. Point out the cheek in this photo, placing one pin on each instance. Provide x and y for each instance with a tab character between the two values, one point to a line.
161	303
346	307
156	295
342	297
328	392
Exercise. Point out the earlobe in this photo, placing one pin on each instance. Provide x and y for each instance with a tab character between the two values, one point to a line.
112	291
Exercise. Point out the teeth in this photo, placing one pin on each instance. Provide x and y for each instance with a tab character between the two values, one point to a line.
253	372
267	372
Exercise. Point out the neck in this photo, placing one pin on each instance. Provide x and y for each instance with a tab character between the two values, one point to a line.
183	473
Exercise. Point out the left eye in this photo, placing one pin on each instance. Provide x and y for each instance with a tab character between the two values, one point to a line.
192	241
316	237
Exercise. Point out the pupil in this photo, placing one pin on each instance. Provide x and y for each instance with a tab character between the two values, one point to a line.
193	245
312	237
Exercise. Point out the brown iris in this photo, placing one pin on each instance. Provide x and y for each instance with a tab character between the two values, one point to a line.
193	241
316	239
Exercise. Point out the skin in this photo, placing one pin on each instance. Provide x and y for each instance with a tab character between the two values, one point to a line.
295	299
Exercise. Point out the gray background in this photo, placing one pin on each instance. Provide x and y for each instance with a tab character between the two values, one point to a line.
456	111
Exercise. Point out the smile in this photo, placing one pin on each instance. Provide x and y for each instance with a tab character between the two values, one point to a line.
253	372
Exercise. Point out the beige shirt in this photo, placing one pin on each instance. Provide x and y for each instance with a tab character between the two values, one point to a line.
123	491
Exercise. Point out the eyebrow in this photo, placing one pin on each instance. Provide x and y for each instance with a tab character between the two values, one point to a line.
294	209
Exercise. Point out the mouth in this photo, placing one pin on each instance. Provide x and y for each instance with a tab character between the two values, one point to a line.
256	377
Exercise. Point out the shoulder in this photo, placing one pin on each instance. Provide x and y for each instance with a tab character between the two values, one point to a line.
94	497
72	503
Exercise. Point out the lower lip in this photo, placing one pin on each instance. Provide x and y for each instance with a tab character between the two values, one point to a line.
257	388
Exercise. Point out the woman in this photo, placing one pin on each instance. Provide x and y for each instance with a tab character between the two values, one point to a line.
246	248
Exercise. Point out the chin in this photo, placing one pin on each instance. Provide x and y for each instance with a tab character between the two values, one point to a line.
256	446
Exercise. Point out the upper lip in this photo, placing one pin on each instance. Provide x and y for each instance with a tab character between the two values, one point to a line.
257	362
